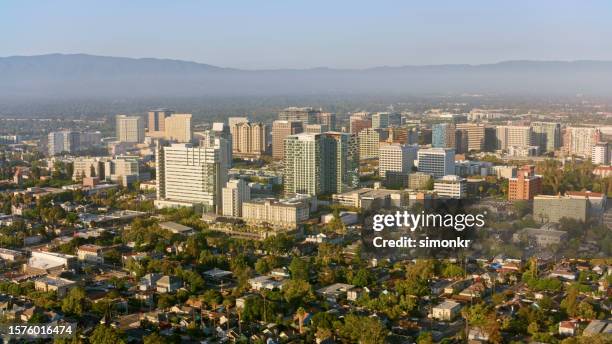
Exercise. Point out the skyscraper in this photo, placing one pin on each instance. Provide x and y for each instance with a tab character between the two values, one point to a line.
513	135
280	130
156	120
63	141
235	192
359	121
380	120
601	153
443	135
546	135
327	119
178	128
475	136
130	129
397	158
219	136
317	164
231	121
369	142
580	141
248	139
437	162
306	115
190	176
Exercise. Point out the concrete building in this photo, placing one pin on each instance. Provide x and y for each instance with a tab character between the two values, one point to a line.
554	208
248	139
122	170
280	130
219	137
282	214
418	180
600	154
542	237
178	128
475	136
525	185
235	192
443	135
190	176
317	164
437	162
523	151
156	121
359	121
129	129
50	262
87	167
306	115
396	157
580	141
380	120
90	253
60	286
513	135
369	142
451	186
370	199
546	135
446	311
327	119
63	141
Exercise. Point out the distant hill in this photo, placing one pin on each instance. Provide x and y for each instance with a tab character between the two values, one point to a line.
78	75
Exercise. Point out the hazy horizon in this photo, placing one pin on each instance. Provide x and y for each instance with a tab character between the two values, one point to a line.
302	35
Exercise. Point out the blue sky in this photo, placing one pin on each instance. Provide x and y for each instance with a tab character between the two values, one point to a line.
301	34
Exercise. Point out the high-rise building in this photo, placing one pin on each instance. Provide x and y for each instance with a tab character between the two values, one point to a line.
318	163
232	121
369	142
122	170
600	154
190	176
475	136
443	135
327	119
359	121
235	192
397	158
280	130
87	167
513	135
130	129
248	139
178	128
156	120
380	120
580	141
219	136
546	135
315	128
306	115
461	141
525	185
347	160
437	162
63	141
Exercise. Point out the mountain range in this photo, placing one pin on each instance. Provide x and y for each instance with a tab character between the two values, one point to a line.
69	76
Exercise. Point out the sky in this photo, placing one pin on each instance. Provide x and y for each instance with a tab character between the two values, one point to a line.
270	34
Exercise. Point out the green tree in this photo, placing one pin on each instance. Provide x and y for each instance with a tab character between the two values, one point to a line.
74	302
103	334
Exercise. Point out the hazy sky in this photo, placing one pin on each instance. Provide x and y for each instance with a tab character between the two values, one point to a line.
333	33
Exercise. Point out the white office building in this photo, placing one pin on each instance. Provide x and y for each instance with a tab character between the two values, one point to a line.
190	176
600	154
397	157
235	192
130	129
451	186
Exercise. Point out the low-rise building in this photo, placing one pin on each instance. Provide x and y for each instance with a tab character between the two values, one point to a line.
56	284
91	253
544	236
168	284
283	214
451	186
446	311
370	199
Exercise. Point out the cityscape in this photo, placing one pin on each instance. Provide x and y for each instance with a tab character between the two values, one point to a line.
305	172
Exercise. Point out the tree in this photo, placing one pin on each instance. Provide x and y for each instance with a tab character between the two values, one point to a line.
425	338
300	269
301	315
364	330
298	292
103	334
153	338
74	302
